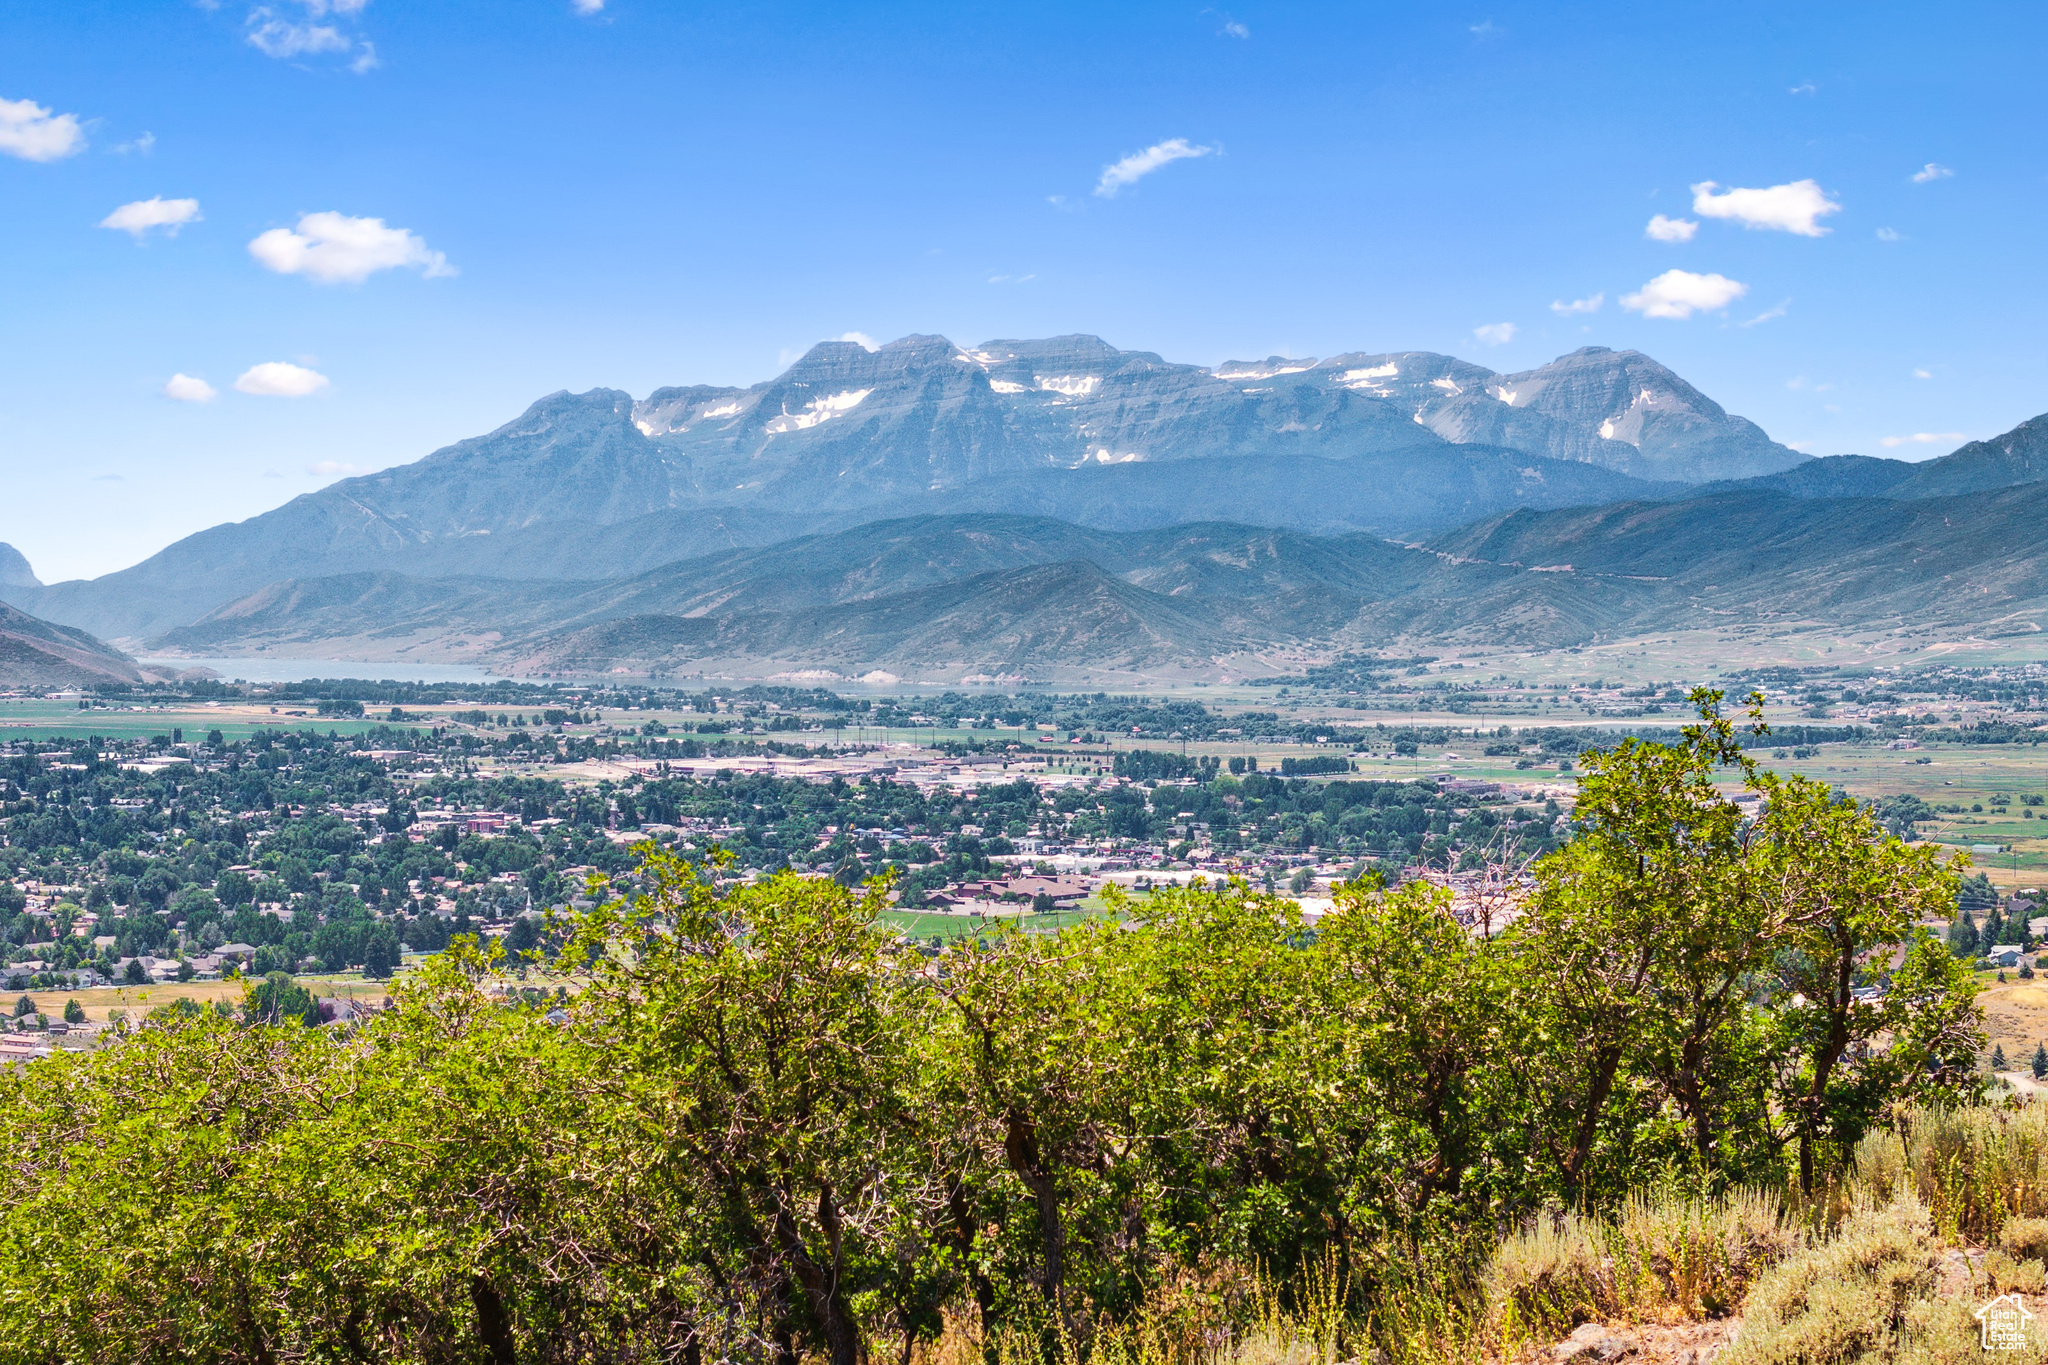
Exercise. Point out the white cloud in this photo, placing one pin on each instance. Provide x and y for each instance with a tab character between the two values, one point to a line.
1794	208
862	339
280	379
1662	229
1804	88
1012	279
332	247
1931	171
1589	304
1681	293
588	6
1140	164
1888	235
1768	314
138	218
275	36
141	145
185	388
1495	333
1233	29
1923	374
33	133
330	469
282	35
1923	438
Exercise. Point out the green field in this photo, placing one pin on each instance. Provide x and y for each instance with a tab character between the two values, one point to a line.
47	720
924	926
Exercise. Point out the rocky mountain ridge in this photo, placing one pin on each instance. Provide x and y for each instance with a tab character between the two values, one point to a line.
1394	443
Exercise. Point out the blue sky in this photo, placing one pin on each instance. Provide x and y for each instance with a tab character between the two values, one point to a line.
641	194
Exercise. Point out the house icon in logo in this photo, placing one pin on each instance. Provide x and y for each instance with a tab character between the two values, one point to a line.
2003	1323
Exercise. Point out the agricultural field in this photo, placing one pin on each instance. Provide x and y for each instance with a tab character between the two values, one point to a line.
33	718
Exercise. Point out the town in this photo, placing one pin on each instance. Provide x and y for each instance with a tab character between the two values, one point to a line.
339	832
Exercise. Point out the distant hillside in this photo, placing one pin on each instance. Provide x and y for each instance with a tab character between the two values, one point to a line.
1974	562
1831	476
993	595
1017	592
1071	427
2019	456
14	569
35	653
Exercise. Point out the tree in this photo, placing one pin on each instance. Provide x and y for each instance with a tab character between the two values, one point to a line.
1637	940
234	889
1844	896
771	1018
74	1013
1962	936
2040	1062
277	999
380	951
524	935
24	1007
1998	1058
1413	1012
1734	964
135	975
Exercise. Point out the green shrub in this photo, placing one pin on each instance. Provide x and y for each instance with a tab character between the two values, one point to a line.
1843	1299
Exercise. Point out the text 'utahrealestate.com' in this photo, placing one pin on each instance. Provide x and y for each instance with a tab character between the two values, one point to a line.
1006	684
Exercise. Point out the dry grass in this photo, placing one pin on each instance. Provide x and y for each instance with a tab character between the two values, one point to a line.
136	1001
1205	1316
1973	1169
1663	1259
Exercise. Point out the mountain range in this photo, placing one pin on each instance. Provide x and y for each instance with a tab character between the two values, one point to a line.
1041	508
976	595
599	485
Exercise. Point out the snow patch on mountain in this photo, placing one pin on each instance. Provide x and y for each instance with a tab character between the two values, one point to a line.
816	411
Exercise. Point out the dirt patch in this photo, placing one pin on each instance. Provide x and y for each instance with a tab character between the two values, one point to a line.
1596	1343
